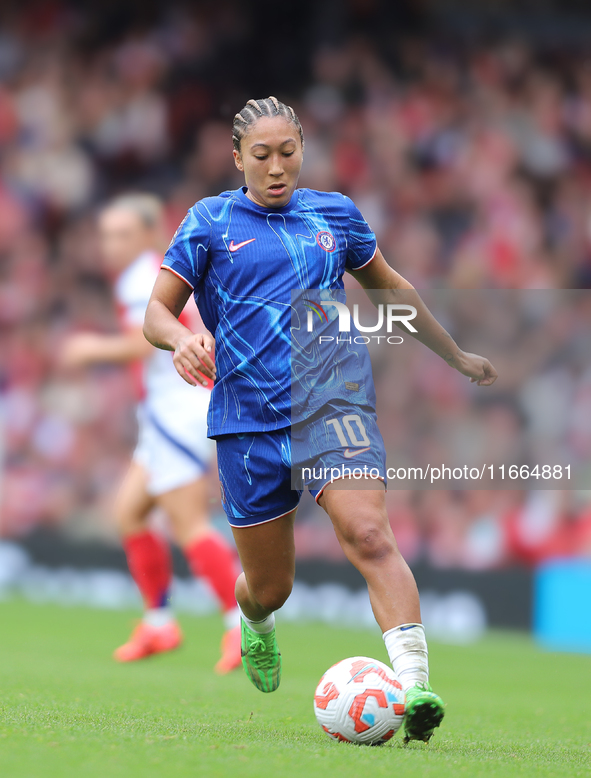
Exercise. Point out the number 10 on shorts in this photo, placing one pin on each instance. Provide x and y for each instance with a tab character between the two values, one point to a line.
357	436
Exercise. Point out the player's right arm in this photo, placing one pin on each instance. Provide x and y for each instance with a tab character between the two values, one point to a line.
185	263
163	329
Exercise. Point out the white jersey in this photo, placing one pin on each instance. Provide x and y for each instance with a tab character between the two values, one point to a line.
132	294
173	446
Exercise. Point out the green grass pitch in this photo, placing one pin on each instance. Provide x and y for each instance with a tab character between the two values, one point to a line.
66	709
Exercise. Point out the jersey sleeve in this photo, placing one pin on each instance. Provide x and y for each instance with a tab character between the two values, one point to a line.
362	244
133	290
187	254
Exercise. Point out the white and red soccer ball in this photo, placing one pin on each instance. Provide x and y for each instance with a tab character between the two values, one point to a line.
360	700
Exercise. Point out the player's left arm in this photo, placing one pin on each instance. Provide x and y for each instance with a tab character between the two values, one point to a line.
378	275
88	348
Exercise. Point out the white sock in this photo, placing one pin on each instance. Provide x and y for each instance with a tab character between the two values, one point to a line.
232	618
407	649
263	626
158	617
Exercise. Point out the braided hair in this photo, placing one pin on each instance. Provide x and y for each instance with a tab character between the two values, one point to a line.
252	112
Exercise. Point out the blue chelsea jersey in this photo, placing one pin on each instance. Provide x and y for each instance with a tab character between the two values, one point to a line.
243	261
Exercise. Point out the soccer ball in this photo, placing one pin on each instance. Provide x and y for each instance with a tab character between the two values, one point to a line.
360	700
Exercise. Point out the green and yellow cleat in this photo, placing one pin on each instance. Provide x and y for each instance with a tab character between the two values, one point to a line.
424	713
261	658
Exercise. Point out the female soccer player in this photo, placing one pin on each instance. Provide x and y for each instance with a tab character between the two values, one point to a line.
171	459
242	253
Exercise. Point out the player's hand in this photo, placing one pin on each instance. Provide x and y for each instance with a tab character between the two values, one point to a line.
79	350
192	359
478	369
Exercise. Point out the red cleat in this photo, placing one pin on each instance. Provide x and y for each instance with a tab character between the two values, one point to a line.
147	640
231	654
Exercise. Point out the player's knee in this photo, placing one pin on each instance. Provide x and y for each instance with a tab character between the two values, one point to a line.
371	541
128	522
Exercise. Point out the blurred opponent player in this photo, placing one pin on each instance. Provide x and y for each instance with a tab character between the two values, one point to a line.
169	465
243	253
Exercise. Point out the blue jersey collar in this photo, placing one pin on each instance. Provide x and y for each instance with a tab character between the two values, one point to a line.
261	209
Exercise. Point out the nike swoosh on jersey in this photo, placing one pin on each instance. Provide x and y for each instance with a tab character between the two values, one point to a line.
349	454
235	246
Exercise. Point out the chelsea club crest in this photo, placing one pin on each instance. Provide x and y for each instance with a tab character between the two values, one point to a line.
326	241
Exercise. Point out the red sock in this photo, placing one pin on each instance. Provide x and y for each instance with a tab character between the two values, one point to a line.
212	558
148	558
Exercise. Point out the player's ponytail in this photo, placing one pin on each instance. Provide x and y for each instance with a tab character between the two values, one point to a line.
252	112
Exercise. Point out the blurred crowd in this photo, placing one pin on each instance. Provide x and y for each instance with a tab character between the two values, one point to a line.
471	529
471	162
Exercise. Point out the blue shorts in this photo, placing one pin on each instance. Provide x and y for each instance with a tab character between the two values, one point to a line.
263	474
